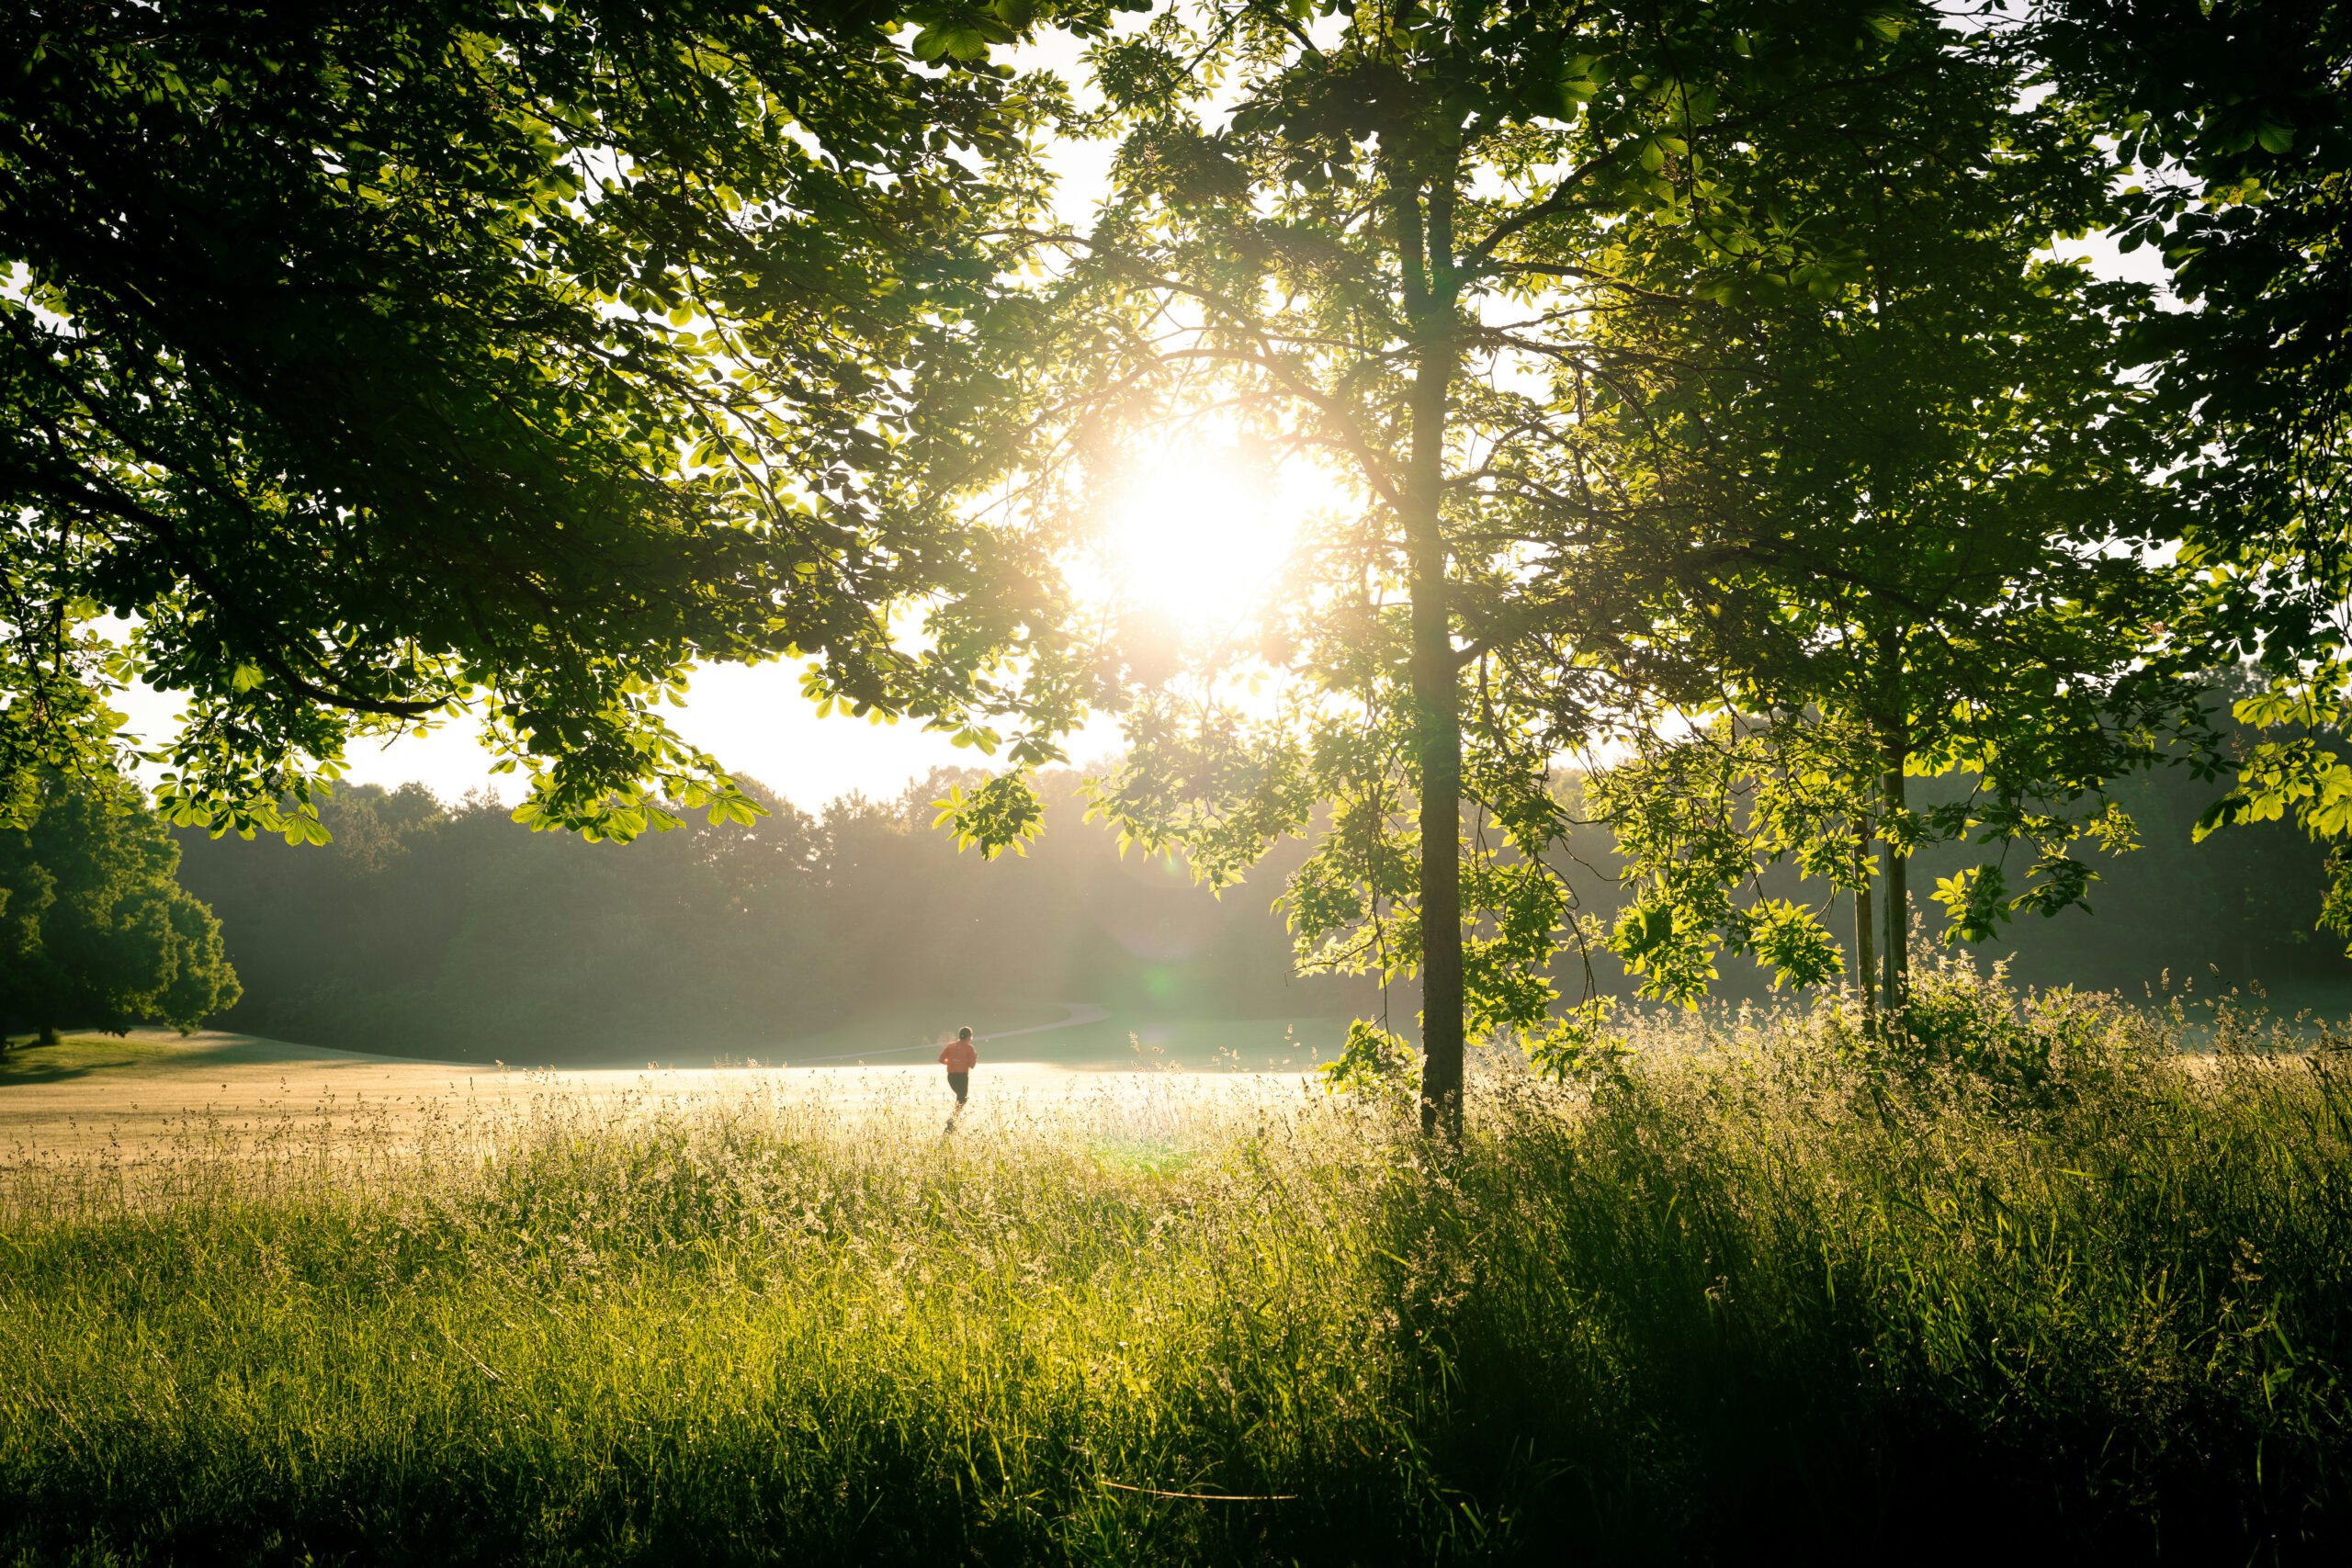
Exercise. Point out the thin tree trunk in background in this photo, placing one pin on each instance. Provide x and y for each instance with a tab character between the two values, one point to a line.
1898	891
48	1034
1865	957
1426	257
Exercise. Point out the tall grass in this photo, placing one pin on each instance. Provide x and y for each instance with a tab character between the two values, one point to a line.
2036	1279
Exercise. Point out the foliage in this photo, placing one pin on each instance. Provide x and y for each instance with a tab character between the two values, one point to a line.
1925	535
1379	241
377	362
95	928
1579	1044
2034	1051
1372	1064
2241	907
997	815
1745	1292
2231	126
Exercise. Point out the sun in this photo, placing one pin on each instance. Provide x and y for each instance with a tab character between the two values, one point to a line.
1198	537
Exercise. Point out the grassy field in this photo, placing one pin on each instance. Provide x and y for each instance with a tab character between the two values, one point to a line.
141	1110
2039	1282
1069	1034
1012	1030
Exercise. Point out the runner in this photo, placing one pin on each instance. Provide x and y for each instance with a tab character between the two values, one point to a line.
960	1058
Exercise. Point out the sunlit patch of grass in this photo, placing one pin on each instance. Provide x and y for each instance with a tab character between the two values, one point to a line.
1149	1156
1760	1287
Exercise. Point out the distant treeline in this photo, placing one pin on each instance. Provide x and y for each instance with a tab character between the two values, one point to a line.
434	929
2243	903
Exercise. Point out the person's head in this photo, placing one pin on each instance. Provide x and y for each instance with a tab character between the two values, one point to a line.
965	1035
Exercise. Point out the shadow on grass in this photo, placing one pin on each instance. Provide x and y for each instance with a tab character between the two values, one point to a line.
73	1056
1915	1326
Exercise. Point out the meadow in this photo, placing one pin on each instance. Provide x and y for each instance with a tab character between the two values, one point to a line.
2037	1278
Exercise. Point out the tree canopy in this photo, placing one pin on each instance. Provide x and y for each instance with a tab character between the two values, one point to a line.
2231	123
371	361
1710	437
1924	531
1428	248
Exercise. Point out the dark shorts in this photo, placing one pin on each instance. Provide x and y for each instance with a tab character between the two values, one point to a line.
961	1083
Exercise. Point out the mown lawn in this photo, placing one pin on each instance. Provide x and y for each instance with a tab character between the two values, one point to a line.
2039	1283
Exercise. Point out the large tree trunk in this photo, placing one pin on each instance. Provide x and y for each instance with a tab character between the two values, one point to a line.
48	1034
1438	720
1425	245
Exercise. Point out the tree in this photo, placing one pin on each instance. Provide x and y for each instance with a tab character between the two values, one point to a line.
1925	539
95	928
1388	258
2232	122
380	360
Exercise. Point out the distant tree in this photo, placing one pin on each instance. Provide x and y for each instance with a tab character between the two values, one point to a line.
95	928
371	911
383	358
428	930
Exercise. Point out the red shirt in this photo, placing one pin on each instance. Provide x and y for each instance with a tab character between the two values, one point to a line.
960	1055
